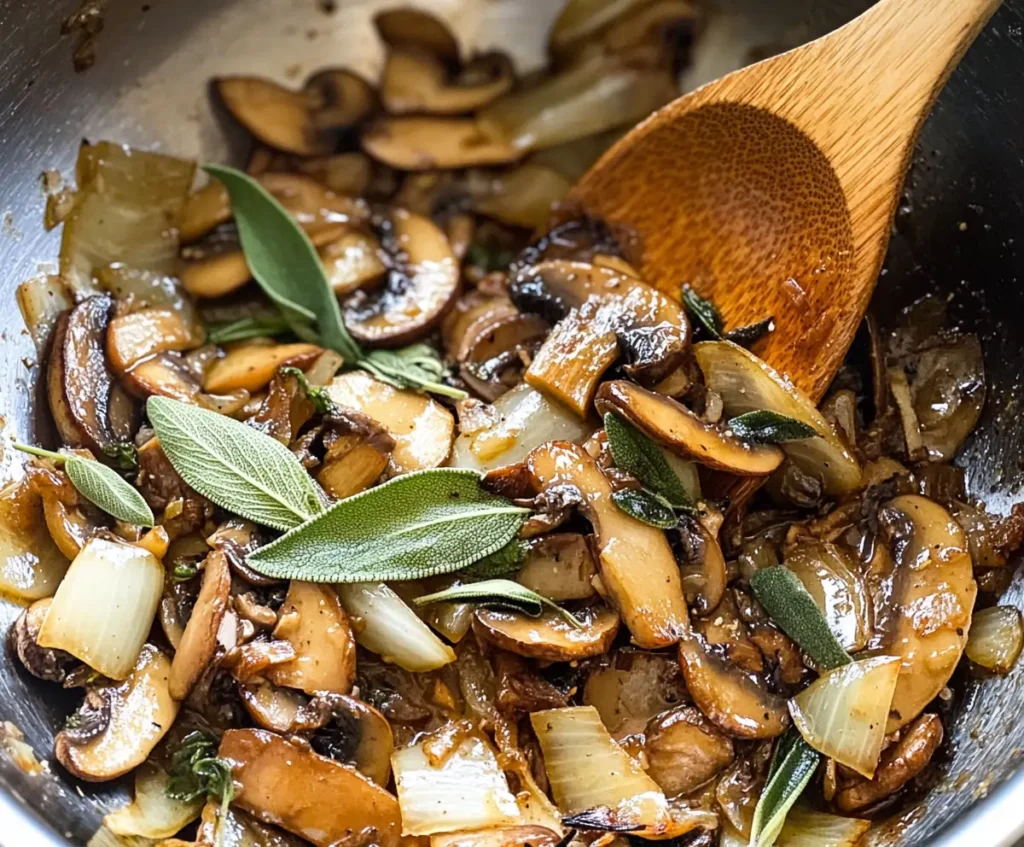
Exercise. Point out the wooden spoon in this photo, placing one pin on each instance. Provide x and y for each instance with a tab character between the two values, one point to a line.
772	191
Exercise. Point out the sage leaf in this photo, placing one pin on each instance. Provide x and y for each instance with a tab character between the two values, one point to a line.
244	328
645	507
704	312
283	260
317	395
635	453
791	606
416	525
235	466
124	455
765	427
417	367
100	485
747	335
500	594
503	562
793	765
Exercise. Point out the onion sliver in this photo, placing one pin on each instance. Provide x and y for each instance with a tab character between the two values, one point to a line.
31	566
807	828
996	638
747	384
468	790
844	712
587	769
525	418
385	625
152	814
105	605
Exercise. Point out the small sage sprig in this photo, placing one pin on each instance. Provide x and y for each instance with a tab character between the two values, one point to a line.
636	454
646	507
503	562
235	466
416	525
765	427
100	485
500	594
792	767
245	328
287	267
709	319
317	395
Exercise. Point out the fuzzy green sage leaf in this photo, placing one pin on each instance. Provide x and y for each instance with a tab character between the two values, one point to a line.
635	453
646	507
417	367
235	466
416	525
704	312
503	562
792	607
317	395
101	486
765	427
245	328
500	594
791	770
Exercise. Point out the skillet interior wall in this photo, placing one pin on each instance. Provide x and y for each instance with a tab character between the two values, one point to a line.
148	88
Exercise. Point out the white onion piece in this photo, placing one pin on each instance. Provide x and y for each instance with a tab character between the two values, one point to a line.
466	791
807	828
747	384
587	769
837	588
843	713
31	566
687	473
385	625
105	605
152	814
996	638
525	419
42	300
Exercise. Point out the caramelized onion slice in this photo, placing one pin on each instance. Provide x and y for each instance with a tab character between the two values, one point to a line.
997	635
31	565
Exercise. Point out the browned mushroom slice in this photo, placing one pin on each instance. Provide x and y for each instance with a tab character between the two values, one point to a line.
133	337
339	98
357	453
42	662
166	375
422	428
927	613
323	801
415	294
255	658
684	750
198	643
423	144
495	362
348	730
524	196
636	563
415	81
127	720
675	427
270	706
632	688
352	261
78	382
560	567
319	211
215	274
704	572
204	210
736	702
407	27
600	313
551	636
277	116
251	367
470	317
314	623
350	174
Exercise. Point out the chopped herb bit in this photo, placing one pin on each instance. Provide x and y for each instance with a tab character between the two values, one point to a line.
751	333
704	312
764	427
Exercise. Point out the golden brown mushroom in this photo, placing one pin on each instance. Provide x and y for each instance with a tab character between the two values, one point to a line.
204	210
416	81
550	637
408	27
423	144
348	730
357	453
271	706
198	643
138	335
684	750
252	366
42	662
559	566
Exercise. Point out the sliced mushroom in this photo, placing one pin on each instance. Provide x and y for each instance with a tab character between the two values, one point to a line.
357	453
675	427
560	567
422	428
636	563
232	827
79	383
256	657
271	706
198	643
684	750
523	196
738	703
204	210
325	802
928	612
408	27
551	636
470	317
494	363
350	731
322	213
136	336
251	367
423	283
316	626
42	662
141	710
601	313
632	688
340	99
704	571
215	274
166	375
415	81
350	174
423	144
352	261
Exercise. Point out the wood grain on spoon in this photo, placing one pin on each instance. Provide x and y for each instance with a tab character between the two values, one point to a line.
772	190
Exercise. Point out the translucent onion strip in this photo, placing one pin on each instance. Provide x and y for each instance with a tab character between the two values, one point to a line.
807	828
31	566
105	605
466	791
152	814
843	713
996	638
385	625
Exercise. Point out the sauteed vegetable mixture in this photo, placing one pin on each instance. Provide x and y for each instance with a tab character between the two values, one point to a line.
381	514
